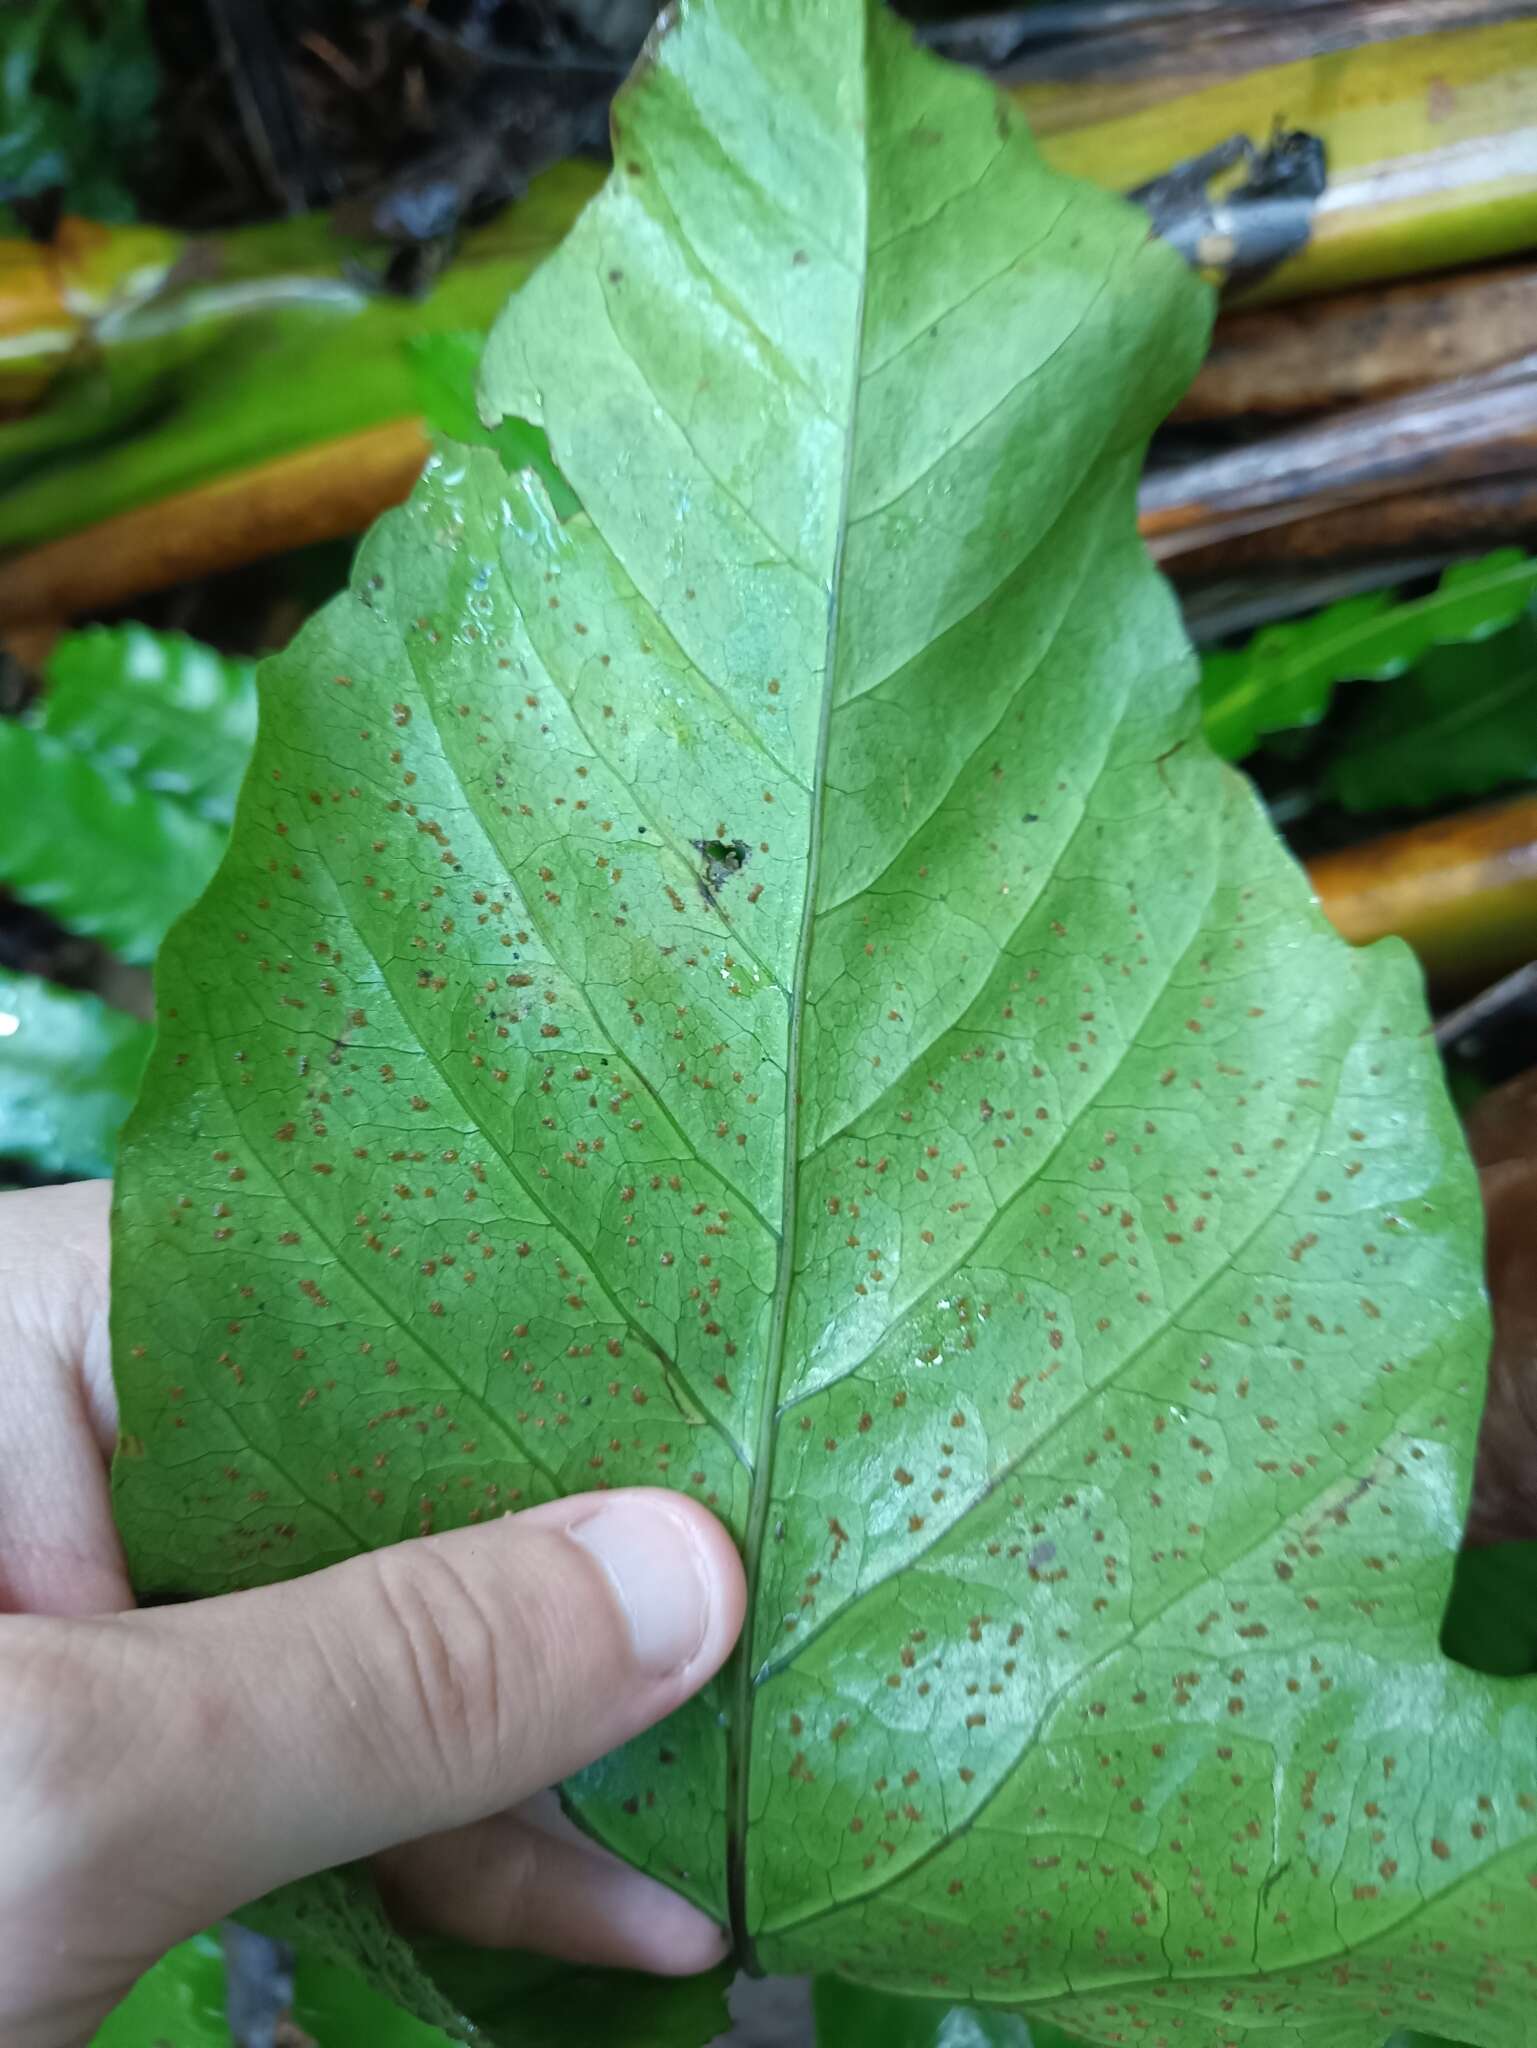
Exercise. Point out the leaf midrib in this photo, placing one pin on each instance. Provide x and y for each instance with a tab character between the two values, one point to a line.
739	1727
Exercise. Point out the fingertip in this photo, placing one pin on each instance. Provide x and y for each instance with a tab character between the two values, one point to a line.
522	1881
671	1938
721	1563
633	1922
672	1571
651	1926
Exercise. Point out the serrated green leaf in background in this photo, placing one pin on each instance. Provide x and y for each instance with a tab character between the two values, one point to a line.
334	2008
170	713
356	1972
1462	723
78	85
1287	674
105	856
532	2000
359	1979
117	788
69	1069
179	2004
761	987
336	1920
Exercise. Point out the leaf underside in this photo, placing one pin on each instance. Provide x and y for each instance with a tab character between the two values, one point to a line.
760	987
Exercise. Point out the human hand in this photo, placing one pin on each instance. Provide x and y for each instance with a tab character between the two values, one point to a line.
160	1769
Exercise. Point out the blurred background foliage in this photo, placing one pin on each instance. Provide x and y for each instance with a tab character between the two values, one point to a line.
79	88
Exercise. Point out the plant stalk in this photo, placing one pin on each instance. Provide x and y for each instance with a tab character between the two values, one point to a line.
1462	891
1361	346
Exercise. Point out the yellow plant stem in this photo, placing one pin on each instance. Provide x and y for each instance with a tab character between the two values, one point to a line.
1462	891
1431	142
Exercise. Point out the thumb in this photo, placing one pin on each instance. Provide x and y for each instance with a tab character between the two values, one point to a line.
254	1738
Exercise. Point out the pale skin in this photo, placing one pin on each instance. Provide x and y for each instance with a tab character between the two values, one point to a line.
160	1769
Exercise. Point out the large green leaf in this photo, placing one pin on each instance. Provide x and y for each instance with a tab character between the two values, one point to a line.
1462	724
172	714
69	1066
1286	675
761	986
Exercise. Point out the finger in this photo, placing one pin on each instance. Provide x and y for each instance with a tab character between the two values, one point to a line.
528	1880
278	1732
59	1552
